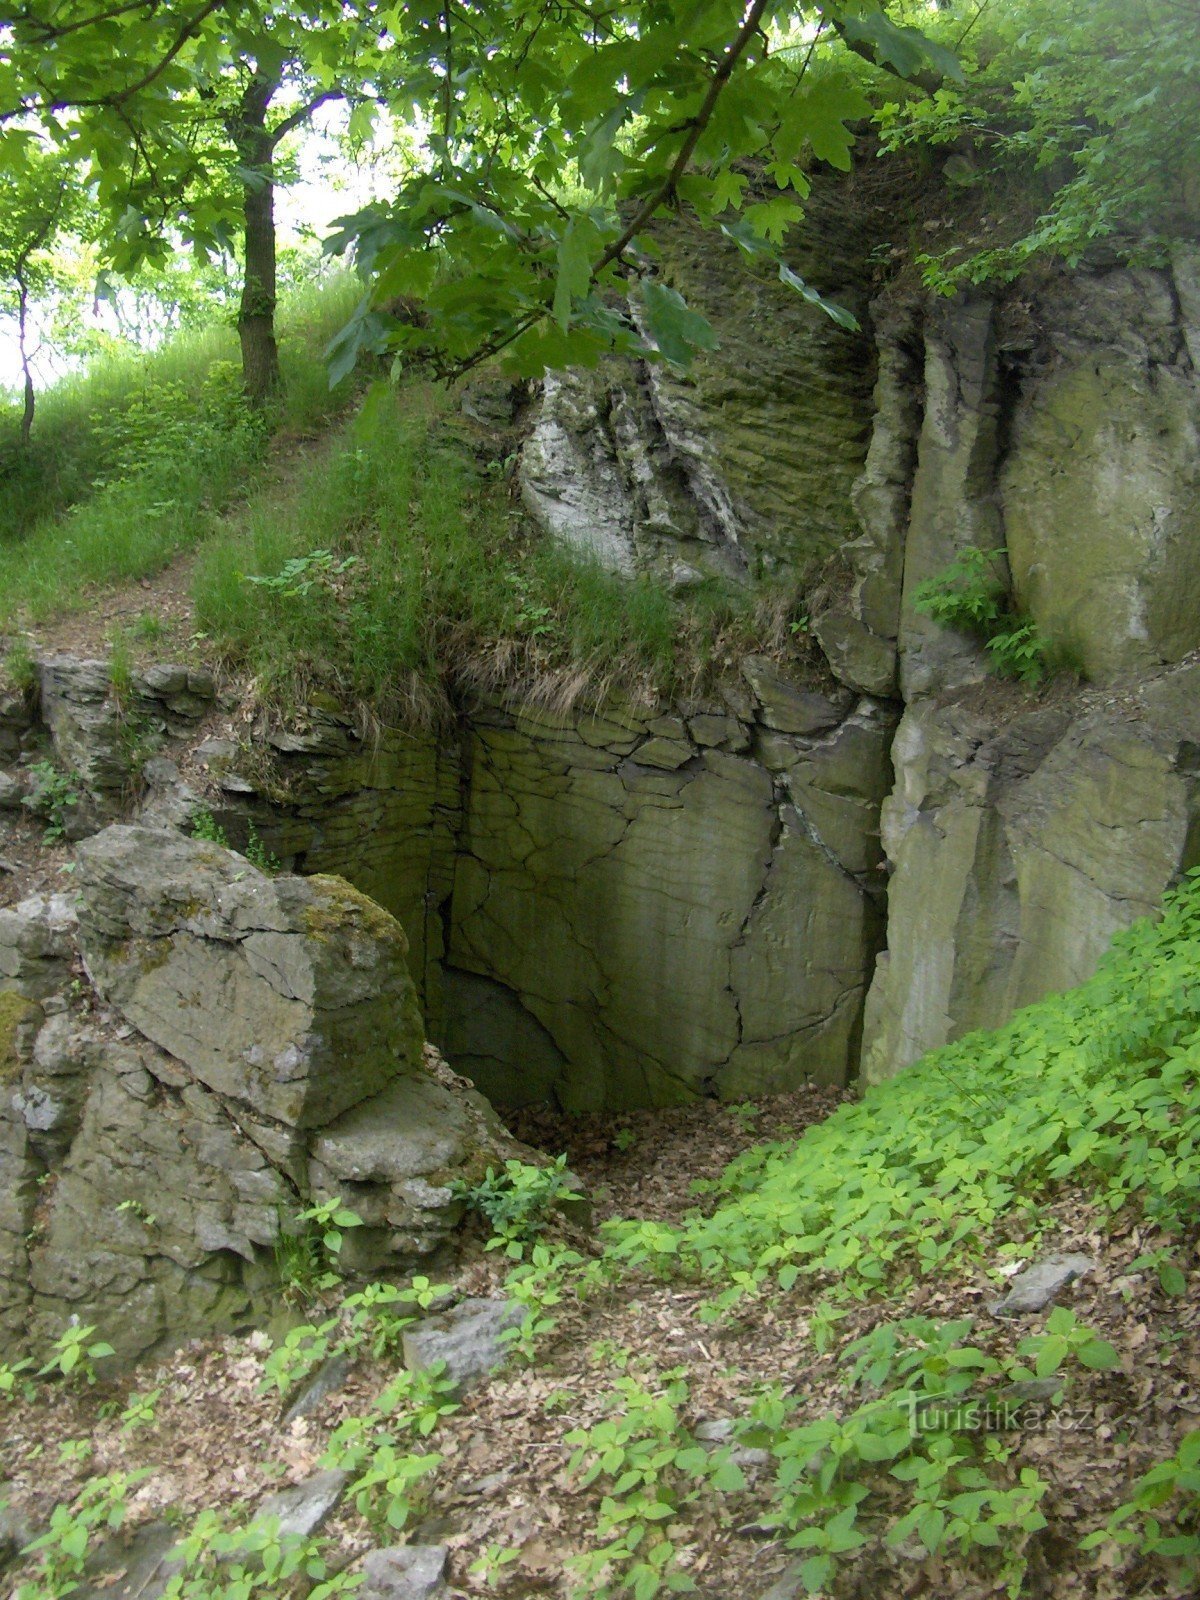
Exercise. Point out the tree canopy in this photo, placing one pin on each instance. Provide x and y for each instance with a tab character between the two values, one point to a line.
551	133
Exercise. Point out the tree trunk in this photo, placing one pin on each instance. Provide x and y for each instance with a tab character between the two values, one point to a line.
26	373
256	314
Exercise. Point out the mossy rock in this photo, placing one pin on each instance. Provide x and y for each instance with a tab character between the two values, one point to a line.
16	1013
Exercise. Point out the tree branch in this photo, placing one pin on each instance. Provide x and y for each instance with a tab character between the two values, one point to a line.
292	122
929	81
748	31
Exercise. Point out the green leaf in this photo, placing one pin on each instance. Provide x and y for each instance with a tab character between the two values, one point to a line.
574	267
1171	1279
729	1478
678	332
819	118
843	318
1099	1355
815	1573
905	50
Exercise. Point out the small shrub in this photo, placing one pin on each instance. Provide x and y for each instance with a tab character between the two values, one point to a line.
205	826
259	856
970	595
518	1201
54	794
74	1354
1162	1516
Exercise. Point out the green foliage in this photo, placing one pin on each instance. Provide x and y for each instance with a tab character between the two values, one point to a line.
221	1561
390	1478
650	1466
970	594
1162	1515
306	1253
301	1352
141	1410
205	826
54	794
606	119
1069	141
137	460
399	577
74	1354
1019	652
259	856
328	1218
63	1549
491	1564
1096	1087
372	1319
20	668
519	1202
11	1383
300	574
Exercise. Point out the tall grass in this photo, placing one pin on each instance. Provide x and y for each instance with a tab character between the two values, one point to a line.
396	575
383	566
129	461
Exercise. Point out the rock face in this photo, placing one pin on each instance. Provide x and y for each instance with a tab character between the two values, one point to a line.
103	732
746	463
631	908
636	904
299	1003
1020	850
263	1050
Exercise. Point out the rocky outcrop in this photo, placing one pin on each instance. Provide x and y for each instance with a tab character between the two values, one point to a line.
298	1000
743	465
261	1049
632	904
1020	849
103	731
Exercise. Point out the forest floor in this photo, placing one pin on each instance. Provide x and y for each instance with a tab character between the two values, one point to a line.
217	1439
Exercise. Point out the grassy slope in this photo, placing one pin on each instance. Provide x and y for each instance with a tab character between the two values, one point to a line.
137	459
392	567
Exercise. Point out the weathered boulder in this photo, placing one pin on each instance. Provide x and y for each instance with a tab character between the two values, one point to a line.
266	1052
290	995
163	1216
394	1159
405	1572
1039	1285
303	1507
466	1340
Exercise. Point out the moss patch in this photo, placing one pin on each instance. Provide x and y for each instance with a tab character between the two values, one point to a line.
346	908
16	1012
